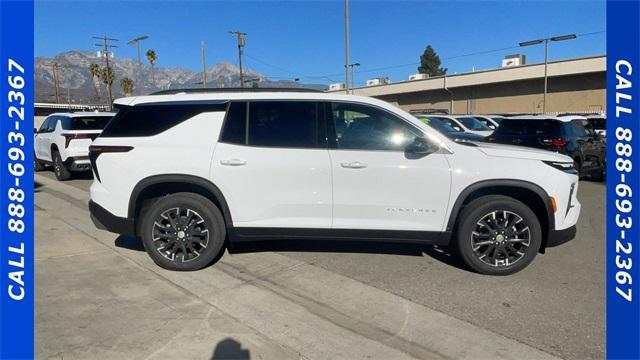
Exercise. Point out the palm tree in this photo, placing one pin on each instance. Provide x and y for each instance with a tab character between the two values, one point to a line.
95	74
127	86
152	57
107	77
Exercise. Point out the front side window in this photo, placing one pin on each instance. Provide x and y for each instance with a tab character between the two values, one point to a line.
364	127
288	124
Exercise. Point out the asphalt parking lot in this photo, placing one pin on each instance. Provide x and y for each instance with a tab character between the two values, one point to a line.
99	296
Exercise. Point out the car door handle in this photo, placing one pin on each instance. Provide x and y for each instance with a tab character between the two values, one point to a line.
233	162
516	141
353	165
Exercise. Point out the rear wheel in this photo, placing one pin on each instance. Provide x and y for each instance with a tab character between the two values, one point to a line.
37	165
498	235
183	232
61	171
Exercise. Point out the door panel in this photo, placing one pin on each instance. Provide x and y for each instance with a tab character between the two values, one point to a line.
272	187
273	166
389	191
377	184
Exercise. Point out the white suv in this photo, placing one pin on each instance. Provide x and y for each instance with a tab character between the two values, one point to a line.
188	171
63	141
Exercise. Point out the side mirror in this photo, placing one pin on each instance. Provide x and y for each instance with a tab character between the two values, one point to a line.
35	130
421	146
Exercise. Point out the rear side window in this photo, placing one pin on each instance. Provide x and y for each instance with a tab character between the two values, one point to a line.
290	124
85	122
235	124
529	127
152	119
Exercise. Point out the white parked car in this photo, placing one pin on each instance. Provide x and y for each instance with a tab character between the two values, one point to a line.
466	123
63	141
206	167
490	121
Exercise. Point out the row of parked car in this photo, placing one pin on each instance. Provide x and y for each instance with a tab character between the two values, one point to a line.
580	136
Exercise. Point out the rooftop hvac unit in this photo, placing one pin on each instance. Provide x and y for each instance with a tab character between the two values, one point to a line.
337	86
514	60
377	81
418	77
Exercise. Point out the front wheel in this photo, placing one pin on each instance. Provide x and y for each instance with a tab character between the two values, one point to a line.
497	235
183	231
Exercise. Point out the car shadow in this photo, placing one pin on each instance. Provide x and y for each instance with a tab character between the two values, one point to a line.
444	255
441	254
129	243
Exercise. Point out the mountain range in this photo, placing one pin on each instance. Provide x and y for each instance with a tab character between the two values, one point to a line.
76	82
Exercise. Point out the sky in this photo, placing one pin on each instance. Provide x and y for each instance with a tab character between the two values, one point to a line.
305	39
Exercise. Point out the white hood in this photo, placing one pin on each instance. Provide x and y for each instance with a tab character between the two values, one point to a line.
520	152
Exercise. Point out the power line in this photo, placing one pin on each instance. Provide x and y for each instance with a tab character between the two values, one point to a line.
328	76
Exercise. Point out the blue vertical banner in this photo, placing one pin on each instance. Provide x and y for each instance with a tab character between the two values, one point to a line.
16	180
623	182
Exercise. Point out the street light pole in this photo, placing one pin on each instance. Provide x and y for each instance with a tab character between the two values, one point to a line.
346	44
136	41
546	59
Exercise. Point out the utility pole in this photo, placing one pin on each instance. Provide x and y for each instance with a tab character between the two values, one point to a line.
352	76
346	44
106	46
240	36
136	41
56	80
204	66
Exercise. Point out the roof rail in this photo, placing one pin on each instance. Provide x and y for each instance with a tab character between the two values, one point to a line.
219	90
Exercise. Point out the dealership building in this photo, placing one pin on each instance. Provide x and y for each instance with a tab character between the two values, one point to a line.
574	85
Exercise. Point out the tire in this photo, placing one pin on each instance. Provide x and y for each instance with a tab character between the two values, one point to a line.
172	233
61	171
37	165
503	259
600	174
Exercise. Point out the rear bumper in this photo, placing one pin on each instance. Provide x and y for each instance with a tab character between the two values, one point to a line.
559	237
78	163
105	220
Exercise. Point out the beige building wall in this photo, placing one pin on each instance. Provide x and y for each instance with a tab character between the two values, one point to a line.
576	93
574	85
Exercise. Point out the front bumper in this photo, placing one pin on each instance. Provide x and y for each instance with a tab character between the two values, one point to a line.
105	220
559	237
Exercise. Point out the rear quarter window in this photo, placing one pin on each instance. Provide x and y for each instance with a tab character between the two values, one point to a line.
153	119
85	122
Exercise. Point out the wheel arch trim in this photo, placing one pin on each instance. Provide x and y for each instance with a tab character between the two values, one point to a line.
512	183
182	179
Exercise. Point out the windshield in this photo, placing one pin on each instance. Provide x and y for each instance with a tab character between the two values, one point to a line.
529	127
473	124
85	122
437	124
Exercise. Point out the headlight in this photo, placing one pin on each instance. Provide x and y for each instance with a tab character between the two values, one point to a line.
567	167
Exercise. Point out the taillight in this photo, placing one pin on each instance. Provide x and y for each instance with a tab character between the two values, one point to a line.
96	150
69	137
558	143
